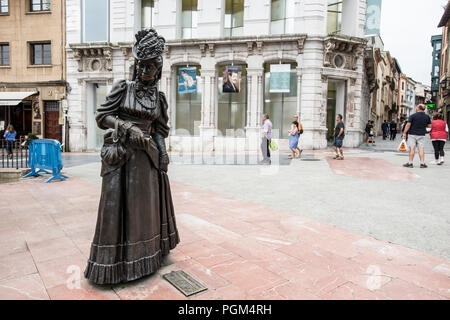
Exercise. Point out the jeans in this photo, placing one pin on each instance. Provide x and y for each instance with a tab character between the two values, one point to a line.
438	149
265	149
9	146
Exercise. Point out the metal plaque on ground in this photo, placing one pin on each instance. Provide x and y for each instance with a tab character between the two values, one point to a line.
184	282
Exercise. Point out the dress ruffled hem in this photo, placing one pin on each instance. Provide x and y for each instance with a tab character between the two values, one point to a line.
123	271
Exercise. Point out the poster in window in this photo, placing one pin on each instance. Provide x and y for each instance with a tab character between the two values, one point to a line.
187	80
280	78
232	78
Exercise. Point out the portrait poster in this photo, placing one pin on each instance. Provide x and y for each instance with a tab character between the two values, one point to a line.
280	78
232	78
187	80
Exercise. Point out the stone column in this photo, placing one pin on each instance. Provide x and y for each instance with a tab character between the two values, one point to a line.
313	95
208	120
255	106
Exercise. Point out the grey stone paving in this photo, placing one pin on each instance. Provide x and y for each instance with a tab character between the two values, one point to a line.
413	213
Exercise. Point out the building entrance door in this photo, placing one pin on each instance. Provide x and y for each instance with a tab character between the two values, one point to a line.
52	129
335	105
96	95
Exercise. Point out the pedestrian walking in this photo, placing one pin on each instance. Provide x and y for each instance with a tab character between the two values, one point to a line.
393	127
385	129
339	134
266	138
367	132
439	135
10	136
416	128
294	134
300	128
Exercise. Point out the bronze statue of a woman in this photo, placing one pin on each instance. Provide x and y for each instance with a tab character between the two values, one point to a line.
136	223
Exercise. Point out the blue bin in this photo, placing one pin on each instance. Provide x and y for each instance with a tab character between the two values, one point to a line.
45	154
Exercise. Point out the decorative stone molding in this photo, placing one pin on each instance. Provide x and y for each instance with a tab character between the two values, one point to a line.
259	45
300	43
93	58
344	50
250	47
202	49
211	47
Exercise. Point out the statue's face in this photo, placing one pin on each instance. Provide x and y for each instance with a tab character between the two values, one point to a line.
148	70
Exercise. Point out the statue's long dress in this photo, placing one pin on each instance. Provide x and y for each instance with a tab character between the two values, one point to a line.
136	223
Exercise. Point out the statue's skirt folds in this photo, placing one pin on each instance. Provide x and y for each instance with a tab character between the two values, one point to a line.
136	224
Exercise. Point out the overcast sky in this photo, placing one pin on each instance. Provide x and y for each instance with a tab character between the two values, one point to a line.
406	30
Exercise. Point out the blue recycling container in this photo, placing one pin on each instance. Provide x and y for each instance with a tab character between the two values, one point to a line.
44	156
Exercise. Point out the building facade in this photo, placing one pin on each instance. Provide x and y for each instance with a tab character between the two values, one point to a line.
287	57
436	43
410	96
32	67
443	103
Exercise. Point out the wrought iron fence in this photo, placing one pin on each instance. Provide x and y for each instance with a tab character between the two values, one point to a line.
13	154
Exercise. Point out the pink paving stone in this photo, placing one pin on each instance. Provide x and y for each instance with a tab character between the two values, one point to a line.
61	270
29	287
315	255
287	291
238	271
399	289
43	234
370	168
207	253
315	279
351	291
153	287
214	233
230	292
16	265
85	291
52	249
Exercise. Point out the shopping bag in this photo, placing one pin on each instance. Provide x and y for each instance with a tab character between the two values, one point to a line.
273	145
402	147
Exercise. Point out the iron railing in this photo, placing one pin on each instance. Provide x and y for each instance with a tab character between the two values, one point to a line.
13	154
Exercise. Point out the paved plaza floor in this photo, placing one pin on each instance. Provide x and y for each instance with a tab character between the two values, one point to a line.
362	228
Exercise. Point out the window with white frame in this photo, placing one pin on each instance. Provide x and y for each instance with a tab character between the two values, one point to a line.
95	20
234	18
189	19
280	22
334	17
147	14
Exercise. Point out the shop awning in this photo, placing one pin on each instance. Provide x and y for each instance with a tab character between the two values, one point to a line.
14	98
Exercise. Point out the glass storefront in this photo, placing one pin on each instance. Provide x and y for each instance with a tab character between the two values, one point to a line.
232	105
281	107
331	109
188	102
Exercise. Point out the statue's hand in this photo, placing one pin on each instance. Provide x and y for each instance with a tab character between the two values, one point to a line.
164	162
136	137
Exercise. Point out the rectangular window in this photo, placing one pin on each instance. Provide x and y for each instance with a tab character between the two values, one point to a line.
39	5
147	14
4	54
189	19
438	46
234	18
280	22
436	71
4	6
95	20
41	53
334	18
